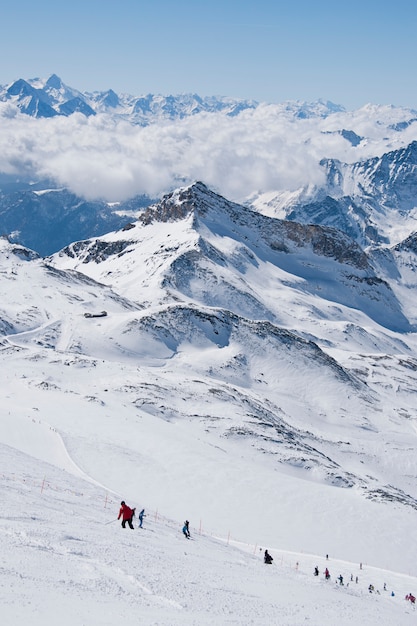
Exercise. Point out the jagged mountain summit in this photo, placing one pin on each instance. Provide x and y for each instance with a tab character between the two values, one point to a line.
42	98
46	100
51	97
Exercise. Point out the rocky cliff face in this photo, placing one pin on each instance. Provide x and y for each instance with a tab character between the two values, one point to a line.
373	201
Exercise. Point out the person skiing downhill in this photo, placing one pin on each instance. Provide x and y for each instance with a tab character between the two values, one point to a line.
186	529
126	513
141	516
267	558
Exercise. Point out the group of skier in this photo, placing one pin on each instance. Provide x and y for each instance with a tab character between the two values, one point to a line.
268	560
127	514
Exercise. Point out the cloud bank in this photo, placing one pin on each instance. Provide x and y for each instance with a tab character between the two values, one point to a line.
265	149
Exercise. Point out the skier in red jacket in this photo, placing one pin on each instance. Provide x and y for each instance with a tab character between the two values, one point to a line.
126	513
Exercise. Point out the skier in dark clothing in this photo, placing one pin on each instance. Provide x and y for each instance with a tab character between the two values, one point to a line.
316	571
126	513
267	558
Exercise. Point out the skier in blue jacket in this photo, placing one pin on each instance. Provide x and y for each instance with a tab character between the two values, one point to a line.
141	516
186	529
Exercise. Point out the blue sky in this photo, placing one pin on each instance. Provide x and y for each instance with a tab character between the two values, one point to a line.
350	53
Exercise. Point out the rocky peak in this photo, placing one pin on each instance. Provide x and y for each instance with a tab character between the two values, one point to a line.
54	82
177	204
279	235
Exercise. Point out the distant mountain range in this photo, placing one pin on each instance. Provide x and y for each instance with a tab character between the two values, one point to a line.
46	219
49	98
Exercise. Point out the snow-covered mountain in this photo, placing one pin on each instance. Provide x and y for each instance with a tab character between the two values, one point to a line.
326	261
250	366
44	218
374	201
233	338
44	98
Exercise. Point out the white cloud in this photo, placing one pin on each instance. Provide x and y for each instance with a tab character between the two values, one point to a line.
263	149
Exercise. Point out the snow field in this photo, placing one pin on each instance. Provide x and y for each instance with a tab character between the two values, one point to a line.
65	557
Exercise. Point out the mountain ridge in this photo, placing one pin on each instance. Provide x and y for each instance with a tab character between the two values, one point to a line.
42	98
295	248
